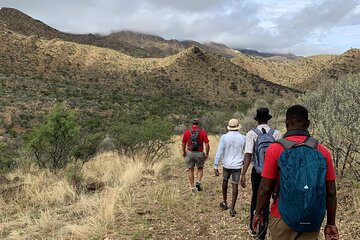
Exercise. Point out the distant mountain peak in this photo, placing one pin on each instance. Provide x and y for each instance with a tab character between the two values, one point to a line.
252	52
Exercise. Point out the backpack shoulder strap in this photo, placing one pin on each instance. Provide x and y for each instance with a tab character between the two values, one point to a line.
257	131
271	132
311	142
287	144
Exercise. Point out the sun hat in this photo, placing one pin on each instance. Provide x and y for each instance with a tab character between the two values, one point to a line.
262	115
233	125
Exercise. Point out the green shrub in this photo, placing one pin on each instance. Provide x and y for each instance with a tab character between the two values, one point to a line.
7	158
334	112
150	137
52	143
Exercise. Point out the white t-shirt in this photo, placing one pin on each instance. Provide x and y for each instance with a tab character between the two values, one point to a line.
251	137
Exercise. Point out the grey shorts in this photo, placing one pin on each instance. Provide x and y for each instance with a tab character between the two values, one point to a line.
234	173
195	158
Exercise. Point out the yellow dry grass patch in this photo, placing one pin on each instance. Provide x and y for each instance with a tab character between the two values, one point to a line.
48	207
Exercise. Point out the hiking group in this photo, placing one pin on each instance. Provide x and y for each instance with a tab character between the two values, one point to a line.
294	170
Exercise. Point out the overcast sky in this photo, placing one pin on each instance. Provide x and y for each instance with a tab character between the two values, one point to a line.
304	27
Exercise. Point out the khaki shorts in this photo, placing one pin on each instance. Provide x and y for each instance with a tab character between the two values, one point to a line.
195	158
279	230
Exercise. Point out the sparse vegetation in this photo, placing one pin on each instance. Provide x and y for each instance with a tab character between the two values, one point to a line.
335	113
72	96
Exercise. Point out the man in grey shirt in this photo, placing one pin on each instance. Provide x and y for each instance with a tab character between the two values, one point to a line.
231	150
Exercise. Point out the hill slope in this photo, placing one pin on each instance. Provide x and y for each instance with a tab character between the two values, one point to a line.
56	59
105	84
304	73
291	73
128	42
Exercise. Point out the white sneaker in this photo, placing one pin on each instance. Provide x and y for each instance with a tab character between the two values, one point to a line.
194	190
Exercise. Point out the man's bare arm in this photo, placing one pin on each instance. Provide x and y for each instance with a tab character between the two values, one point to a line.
247	160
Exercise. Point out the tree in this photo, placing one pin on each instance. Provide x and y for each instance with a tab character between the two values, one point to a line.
52	143
149	137
334	111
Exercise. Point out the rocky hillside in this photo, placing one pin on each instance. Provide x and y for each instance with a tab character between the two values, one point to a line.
128	42
103	83
56	59
346	63
304	73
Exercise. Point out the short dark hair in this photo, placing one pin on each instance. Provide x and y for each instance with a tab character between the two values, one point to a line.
196	121
297	113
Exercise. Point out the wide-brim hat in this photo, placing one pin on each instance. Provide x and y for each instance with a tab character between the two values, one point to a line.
233	125
262	115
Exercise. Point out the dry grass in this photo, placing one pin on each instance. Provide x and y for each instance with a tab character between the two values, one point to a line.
48	207
138	202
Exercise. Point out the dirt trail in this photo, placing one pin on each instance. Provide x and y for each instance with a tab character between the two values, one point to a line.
165	208
170	211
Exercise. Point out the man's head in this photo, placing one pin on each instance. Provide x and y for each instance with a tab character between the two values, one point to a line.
233	125
297	117
262	115
196	121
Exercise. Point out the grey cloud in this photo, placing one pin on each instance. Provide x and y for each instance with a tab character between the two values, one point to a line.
237	23
316	17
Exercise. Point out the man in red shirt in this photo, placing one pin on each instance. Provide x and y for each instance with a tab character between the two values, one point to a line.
297	124
194	138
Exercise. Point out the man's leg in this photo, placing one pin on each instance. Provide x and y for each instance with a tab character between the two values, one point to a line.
226	176
200	169
235	177
191	177
199	174
190	164
255	183
280	231
235	190
224	190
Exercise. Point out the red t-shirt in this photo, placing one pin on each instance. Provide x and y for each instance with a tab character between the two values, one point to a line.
203	138
271	170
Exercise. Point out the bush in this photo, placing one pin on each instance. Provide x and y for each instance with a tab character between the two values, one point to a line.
334	111
7	158
86	146
52	143
150	137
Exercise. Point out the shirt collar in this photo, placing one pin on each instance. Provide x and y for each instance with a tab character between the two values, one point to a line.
263	126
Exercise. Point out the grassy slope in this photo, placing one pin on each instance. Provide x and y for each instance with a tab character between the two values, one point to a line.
289	73
139	202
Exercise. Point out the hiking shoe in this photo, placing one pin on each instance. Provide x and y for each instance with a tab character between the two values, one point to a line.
252	233
223	206
232	213
198	186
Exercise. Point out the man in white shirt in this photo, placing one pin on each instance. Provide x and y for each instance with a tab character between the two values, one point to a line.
231	150
252	154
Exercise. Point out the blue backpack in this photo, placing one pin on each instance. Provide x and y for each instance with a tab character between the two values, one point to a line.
262	142
302	187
